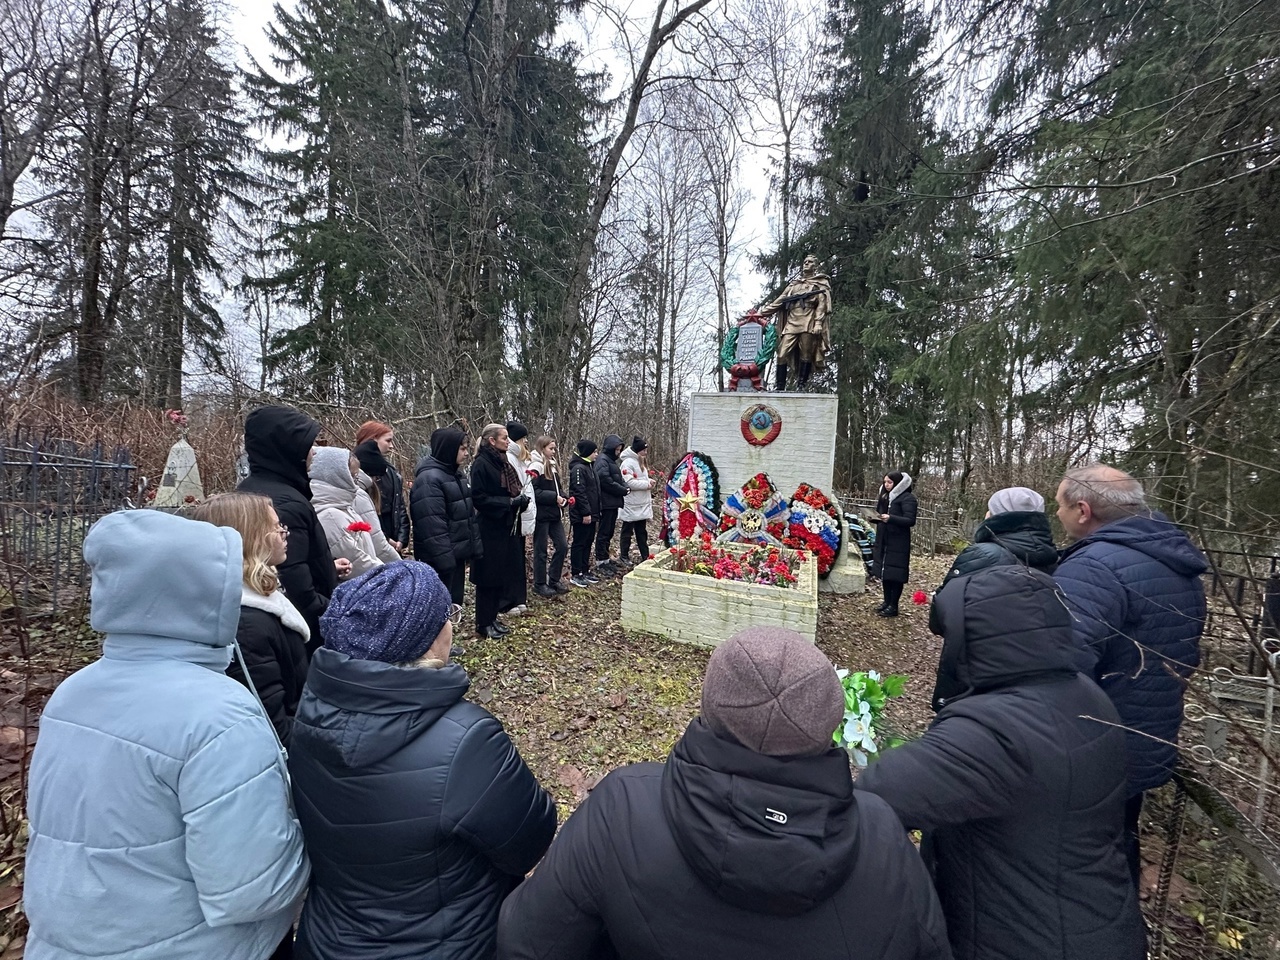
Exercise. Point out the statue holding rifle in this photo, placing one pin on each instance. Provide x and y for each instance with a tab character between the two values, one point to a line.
804	338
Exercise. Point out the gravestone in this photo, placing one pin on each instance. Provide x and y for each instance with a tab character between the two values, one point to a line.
180	483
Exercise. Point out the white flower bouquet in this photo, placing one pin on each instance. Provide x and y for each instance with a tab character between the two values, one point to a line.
865	696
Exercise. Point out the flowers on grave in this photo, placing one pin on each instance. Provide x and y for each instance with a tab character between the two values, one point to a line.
177	418
919	598
763	564
862	731
359	526
814	525
752	513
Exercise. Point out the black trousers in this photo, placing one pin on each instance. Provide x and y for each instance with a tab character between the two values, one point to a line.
1132	831
285	950
552	530
580	552
608	523
641	529
892	592
455	580
516	591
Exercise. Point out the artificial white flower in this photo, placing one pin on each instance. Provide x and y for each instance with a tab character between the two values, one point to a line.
873	675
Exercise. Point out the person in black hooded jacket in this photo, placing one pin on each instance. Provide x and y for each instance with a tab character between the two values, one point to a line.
1015	530
278	441
1019	782
419	813
613	493
749	842
446	533
584	511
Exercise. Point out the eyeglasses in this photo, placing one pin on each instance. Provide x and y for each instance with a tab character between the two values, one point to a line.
455	614
282	529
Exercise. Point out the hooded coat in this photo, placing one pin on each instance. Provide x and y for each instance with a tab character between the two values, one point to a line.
688	860
369	514
1018	783
892	549
613	489
530	515
1005	538
276	442
446	531
160	823
1134	591
638	503
584	488
419	813
333	495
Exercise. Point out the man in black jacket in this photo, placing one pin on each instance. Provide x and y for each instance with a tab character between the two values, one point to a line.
584	512
277	441
749	842
613	492
1019	783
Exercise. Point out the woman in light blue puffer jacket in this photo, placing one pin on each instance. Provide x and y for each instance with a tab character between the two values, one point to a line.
160	819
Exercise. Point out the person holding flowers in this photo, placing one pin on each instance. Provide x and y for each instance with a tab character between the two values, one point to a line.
333	494
637	505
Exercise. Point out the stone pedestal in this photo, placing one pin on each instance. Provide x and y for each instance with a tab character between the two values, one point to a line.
804	452
849	573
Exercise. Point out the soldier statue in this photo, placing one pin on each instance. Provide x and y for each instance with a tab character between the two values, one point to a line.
804	338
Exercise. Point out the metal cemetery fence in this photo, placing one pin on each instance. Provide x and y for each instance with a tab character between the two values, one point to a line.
51	492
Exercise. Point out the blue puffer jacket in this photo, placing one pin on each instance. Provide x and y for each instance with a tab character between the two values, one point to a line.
1134	590
420	815
160	823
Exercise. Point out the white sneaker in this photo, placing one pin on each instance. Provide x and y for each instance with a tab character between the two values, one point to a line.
518	611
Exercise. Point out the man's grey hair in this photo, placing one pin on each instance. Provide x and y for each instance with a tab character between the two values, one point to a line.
1111	494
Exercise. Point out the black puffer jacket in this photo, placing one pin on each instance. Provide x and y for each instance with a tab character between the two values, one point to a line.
419	814
584	487
1007	538
725	853
1019	782
445	529
276	441
613	489
892	550
546	490
271	637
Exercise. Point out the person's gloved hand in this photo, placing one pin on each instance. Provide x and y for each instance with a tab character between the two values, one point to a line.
520	503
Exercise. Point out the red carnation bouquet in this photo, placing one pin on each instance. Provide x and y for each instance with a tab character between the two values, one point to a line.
359	526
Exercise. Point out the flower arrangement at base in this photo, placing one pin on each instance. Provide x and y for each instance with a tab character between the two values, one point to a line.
865	696
814	525
763	564
753	512
692	498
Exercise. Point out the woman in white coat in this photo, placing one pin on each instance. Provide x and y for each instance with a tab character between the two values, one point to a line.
637	506
333	494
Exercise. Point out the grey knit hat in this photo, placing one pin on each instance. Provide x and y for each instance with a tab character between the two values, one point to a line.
1015	500
391	613
772	691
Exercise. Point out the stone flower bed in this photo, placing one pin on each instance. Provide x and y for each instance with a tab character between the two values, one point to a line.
699	609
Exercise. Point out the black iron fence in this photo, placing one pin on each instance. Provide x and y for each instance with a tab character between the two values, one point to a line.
51	491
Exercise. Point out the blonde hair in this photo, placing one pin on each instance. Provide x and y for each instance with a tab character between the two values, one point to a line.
250	514
491	430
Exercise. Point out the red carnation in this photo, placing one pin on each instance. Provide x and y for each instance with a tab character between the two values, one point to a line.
359	526
919	598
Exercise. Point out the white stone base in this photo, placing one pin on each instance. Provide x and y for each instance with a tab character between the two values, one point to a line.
804	452
706	611
849	573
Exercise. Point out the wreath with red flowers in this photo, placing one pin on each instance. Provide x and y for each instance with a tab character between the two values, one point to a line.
814	525
692	498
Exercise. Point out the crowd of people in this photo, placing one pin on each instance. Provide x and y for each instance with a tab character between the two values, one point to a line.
345	801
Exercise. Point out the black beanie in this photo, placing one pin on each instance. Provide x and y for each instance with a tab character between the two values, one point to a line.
586	448
516	430
638	444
